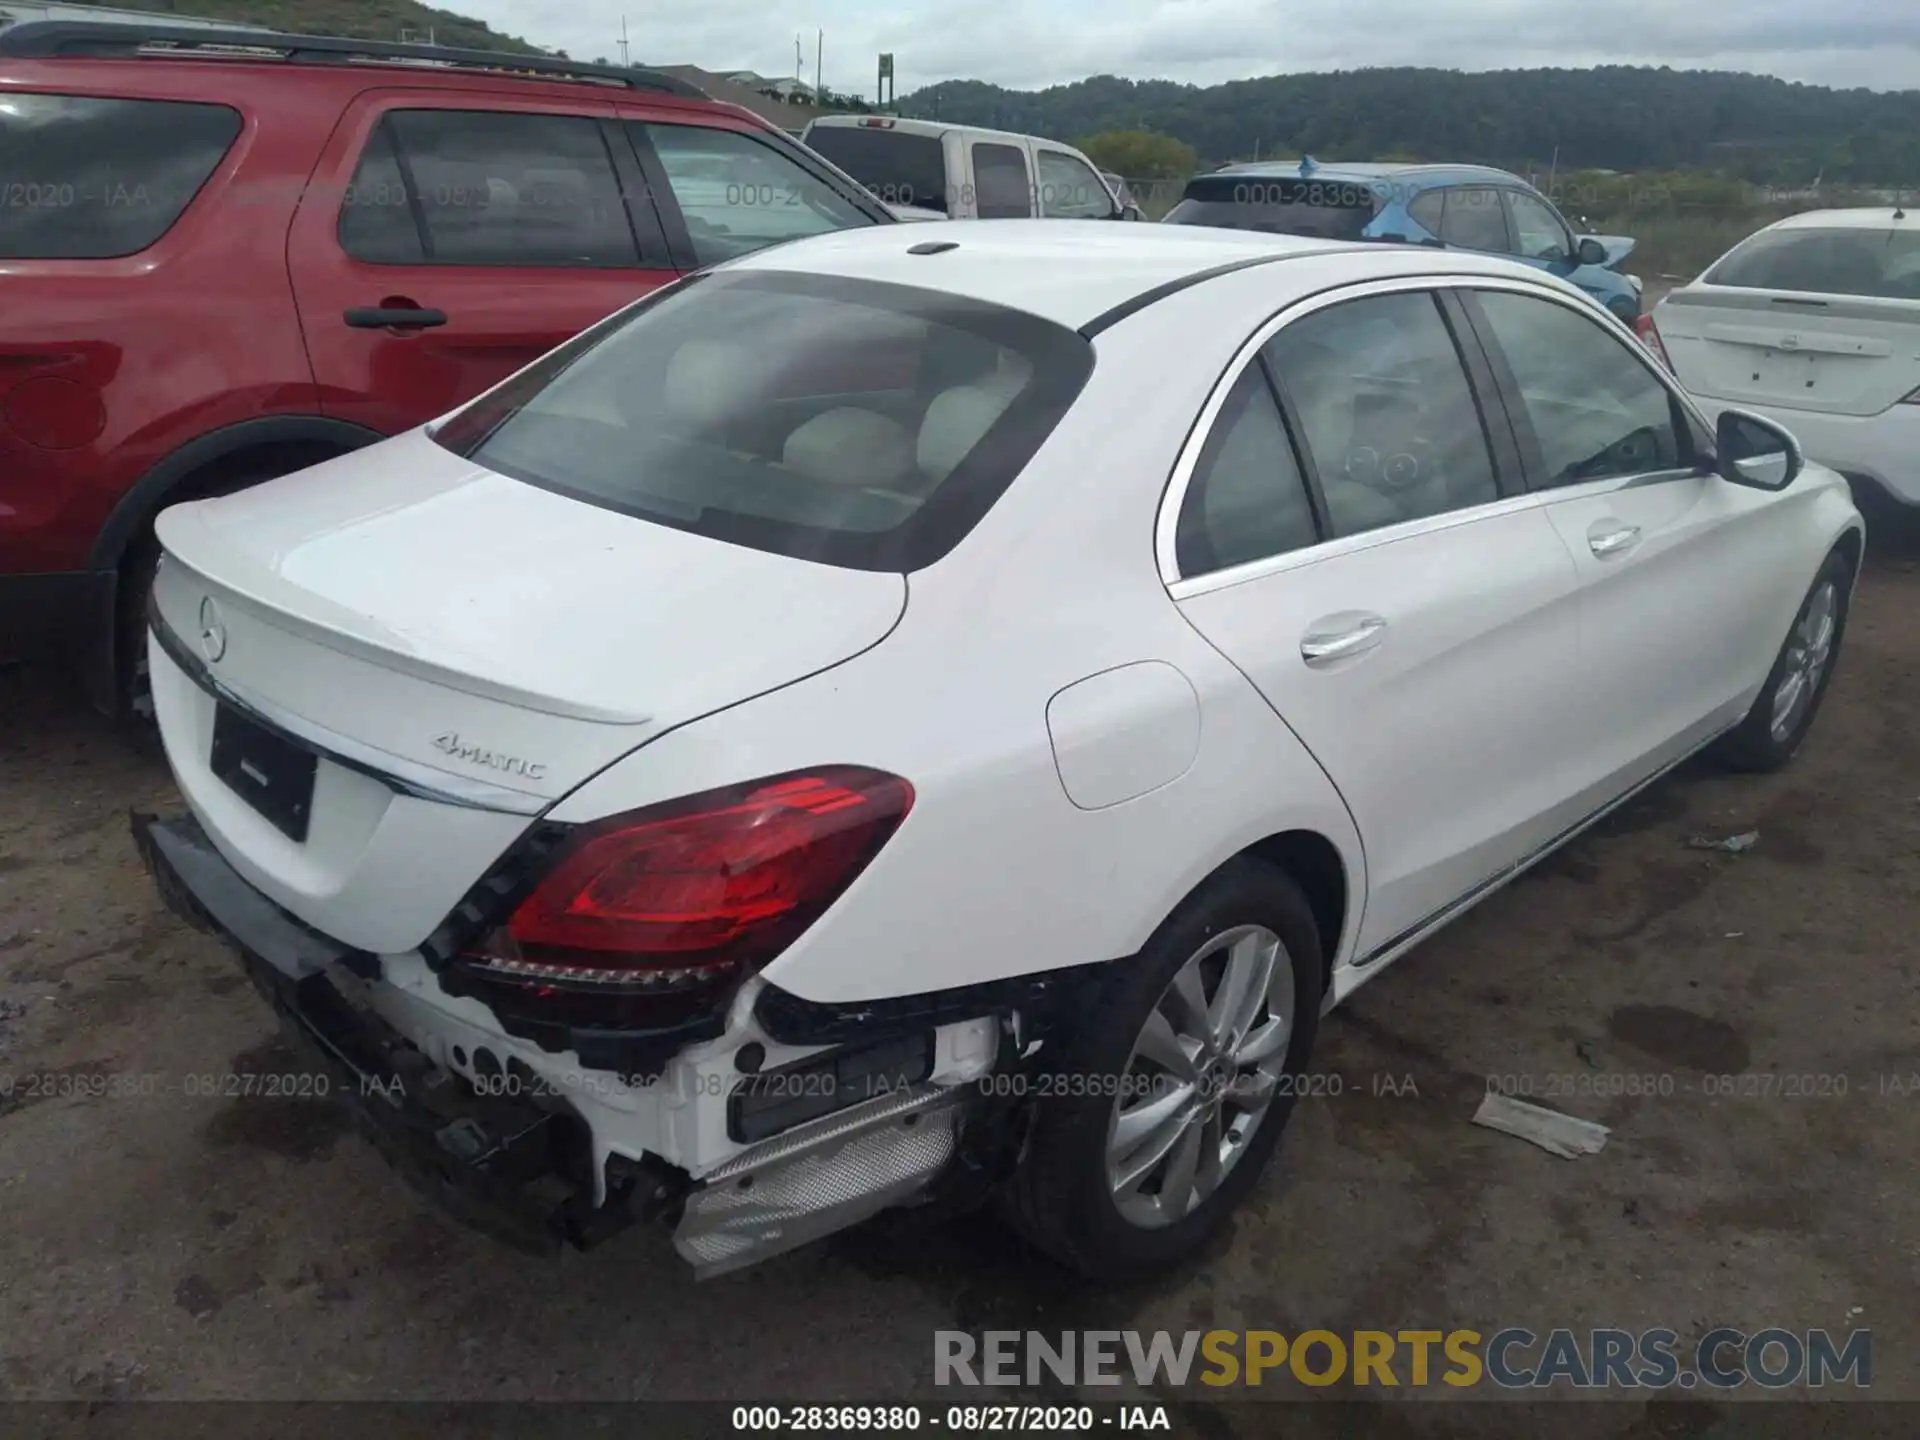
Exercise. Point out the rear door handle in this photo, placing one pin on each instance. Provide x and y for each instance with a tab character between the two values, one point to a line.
1611	540
1339	636
380	317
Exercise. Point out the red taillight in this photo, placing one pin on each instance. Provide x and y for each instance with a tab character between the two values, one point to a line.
1649	334
875	122
696	892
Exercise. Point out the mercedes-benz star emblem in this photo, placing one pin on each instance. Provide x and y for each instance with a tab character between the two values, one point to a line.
213	631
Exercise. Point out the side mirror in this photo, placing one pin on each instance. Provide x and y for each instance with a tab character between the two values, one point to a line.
1756	452
1590	251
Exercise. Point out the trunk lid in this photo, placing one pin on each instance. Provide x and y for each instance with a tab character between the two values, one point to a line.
466	638
1842	355
1821	312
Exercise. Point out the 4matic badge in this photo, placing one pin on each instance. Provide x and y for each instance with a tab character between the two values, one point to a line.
451	744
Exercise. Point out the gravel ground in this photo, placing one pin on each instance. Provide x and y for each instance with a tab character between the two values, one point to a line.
173	1246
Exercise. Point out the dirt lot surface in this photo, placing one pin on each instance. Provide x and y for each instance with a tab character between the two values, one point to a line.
171	1245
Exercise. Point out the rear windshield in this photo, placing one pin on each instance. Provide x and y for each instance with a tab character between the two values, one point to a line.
89	179
1326	209
900	168
1884	264
850	422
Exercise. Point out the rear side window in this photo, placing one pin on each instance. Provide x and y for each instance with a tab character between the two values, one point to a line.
1327	209
1385	411
899	168
1002	188
90	179
1247	499
845	421
1475	220
1883	264
478	187
738	195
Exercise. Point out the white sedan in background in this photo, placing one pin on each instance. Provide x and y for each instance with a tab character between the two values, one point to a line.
939	714
1814	322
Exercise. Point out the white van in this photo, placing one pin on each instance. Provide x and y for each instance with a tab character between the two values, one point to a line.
963	172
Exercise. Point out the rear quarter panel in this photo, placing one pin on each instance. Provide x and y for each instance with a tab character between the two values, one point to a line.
996	872
195	333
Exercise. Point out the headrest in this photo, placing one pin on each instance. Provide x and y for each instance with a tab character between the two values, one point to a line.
850	447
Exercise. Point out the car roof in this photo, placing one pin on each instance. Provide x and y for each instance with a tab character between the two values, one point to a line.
1427	173
1878	217
1075	271
908	125
96	53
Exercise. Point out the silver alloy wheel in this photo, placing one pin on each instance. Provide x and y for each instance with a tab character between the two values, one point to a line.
1809	647
1202	1076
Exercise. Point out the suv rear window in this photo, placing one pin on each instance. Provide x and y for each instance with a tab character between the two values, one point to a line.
846	421
1884	264
83	178
1327	209
898	167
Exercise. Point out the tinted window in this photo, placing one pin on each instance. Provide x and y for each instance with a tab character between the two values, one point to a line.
1882	263
488	188
1386	410
1246	500
1329	209
87	179
899	168
1474	219
1594	408
1002	190
1070	189
845	421
739	195
1540	234
1427	208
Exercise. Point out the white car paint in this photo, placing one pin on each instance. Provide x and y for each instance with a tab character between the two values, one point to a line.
1841	371
1088	732
1058	181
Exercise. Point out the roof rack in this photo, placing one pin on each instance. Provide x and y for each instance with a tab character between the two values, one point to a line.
73	39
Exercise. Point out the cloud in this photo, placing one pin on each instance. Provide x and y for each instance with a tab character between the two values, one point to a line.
1871	43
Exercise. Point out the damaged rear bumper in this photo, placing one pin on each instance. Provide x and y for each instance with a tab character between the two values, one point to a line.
522	1167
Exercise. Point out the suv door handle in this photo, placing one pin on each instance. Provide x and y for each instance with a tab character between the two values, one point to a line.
1339	636
1612	541
394	317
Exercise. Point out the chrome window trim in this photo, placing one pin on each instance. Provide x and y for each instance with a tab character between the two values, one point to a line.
1166	522
405	777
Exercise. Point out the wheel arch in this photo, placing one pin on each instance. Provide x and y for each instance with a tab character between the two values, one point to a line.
1314	863
229	450
271	443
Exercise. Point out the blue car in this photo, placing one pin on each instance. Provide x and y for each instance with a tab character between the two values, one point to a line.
1467	207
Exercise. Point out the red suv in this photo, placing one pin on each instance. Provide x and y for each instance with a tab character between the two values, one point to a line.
228	255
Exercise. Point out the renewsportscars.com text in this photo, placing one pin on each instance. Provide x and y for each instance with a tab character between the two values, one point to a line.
1724	1358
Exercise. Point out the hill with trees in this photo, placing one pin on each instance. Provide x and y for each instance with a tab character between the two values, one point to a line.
1613	117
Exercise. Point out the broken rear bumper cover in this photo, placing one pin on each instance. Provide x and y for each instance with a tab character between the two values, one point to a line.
528	1168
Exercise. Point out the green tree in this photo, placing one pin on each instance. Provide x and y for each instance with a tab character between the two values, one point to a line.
1141	154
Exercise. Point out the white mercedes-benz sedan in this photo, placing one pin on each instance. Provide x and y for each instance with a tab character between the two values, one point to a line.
936	715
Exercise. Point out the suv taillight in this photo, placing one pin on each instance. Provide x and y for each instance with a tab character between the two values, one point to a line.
679	900
1649	334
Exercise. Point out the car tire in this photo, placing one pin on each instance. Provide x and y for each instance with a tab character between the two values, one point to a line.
1068	1195
1783	712
133	682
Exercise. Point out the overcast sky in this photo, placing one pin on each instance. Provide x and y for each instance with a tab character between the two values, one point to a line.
1028	44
